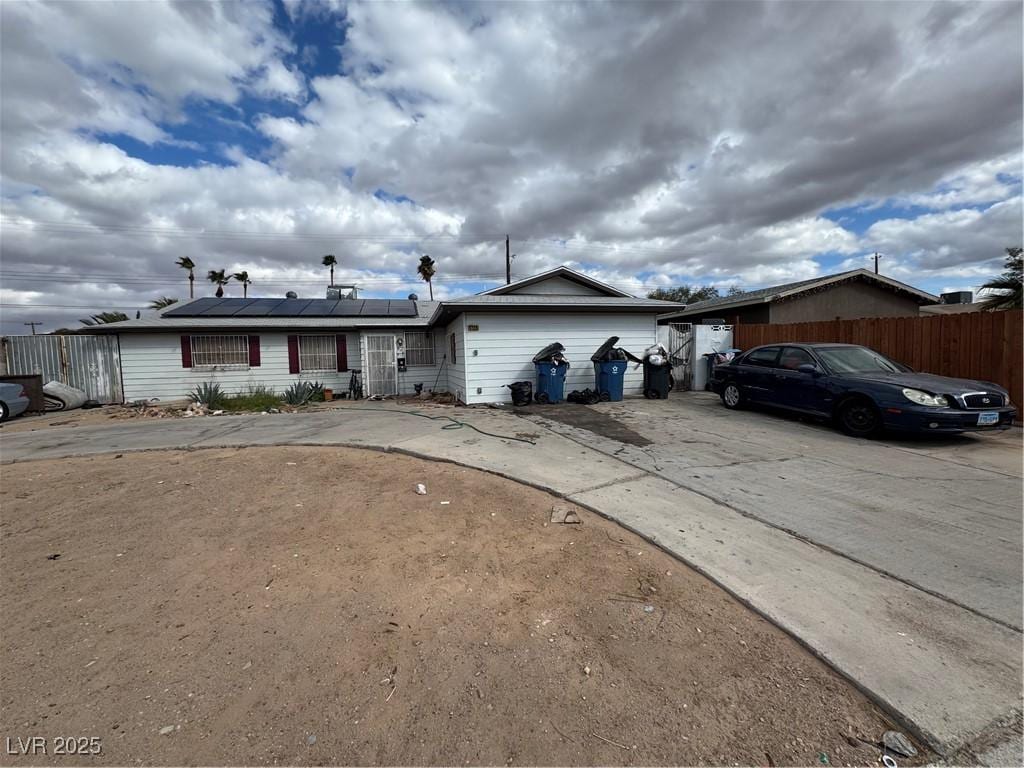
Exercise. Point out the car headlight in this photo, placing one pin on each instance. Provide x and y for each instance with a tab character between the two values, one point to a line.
923	398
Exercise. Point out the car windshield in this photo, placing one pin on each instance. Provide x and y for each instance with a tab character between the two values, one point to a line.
856	360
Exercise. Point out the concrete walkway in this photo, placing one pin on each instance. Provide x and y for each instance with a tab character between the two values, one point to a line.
951	675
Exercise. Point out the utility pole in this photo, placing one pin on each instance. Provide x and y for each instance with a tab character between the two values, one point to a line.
33	327
508	262
877	257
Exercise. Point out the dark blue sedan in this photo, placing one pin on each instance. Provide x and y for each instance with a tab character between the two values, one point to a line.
861	390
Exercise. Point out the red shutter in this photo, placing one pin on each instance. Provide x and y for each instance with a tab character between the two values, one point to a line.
254	351
293	354
186	351
342	341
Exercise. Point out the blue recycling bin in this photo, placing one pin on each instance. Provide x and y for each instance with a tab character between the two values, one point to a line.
609	378
550	382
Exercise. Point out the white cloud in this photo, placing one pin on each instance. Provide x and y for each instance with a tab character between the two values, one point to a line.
686	142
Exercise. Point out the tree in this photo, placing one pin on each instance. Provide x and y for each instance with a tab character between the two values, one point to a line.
330	261
243	278
186	263
162	302
218	277
1006	292
685	294
427	270
104	317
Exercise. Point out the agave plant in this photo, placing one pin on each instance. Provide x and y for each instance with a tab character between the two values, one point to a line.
298	393
209	394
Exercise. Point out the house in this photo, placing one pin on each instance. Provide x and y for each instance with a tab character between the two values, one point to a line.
472	346
844	296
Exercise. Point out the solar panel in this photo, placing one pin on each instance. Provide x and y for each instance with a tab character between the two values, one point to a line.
374	308
193	308
289	308
226	308
402	308
347	308
319	308
258	307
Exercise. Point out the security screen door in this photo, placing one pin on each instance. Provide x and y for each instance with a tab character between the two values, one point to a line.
381	364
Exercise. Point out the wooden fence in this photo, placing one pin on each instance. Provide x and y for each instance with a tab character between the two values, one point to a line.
972	345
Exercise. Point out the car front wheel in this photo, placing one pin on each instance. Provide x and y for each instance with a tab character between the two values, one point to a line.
859	418
4	411
732	397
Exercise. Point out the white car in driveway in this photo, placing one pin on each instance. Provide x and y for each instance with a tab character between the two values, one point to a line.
13	400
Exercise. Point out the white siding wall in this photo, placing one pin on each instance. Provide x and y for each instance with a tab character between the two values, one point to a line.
506	343
456	371
151	367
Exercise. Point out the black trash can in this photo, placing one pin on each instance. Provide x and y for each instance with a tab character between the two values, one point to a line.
657	380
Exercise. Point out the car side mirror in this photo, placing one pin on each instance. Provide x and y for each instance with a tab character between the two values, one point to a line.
813	370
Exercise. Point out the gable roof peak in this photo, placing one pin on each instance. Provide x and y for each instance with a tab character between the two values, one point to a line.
564	272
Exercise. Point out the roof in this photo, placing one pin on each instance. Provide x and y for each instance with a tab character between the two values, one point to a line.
165	321
552	303
287	314
563	272
788	290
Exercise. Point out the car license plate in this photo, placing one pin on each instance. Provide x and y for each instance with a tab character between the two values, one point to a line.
988	418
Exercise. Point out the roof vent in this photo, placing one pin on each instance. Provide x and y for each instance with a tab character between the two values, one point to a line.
956	297
342	292
413	297
291	295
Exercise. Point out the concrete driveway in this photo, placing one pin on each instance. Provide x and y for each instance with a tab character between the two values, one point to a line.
941	515
898	562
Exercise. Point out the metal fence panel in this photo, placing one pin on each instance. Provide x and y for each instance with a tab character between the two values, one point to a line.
89	363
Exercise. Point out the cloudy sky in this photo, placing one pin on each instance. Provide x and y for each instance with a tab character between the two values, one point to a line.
728	143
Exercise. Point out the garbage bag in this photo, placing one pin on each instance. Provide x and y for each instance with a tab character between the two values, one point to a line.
604	352
522	392
549	352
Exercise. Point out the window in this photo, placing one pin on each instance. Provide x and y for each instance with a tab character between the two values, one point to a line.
419	348
856	360
451	343
764	357
210	351
318	353
794	357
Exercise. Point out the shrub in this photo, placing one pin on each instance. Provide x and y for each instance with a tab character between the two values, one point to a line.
209	394
260	401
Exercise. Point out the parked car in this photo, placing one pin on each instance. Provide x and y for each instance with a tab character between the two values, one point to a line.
861	390
13	400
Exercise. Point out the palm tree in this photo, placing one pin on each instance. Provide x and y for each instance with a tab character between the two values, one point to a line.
217	276
330	261
162	302
186	263
1006	289
427	271
243	278
104	317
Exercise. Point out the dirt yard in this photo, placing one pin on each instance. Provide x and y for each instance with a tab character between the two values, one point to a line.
306	606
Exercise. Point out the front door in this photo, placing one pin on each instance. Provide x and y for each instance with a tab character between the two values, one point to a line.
381	364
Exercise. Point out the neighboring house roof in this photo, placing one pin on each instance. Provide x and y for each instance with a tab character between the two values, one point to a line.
790	290
558	272
952	309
